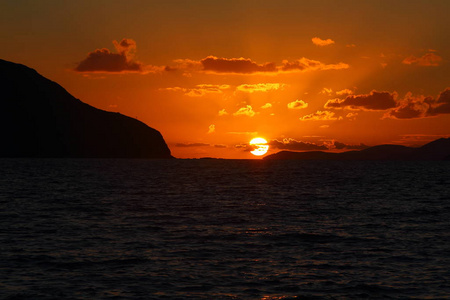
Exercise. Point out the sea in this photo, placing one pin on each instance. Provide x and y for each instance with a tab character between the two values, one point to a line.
224	229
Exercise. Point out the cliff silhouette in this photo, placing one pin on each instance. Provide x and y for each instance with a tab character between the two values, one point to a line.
436	150
39	118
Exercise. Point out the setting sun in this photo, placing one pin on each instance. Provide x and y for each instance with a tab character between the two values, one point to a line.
260	146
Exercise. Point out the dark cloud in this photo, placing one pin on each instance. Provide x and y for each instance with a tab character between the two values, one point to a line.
306	64
442	105
412	107
373	101
245	147
213	64
235	65
105	61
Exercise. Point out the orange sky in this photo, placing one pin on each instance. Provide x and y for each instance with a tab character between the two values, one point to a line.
212	75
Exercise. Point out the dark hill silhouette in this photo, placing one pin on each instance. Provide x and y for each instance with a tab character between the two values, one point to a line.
39	118
436	150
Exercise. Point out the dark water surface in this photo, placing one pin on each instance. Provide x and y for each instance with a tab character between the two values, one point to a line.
224	229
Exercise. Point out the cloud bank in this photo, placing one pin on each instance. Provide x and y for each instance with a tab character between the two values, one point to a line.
408	107
373	101
246	66
411	107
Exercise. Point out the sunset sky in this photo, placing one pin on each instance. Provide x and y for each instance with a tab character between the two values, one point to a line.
212	75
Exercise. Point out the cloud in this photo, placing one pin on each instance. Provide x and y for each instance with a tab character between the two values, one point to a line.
211	128
260	87
245	147
344	92
203	89
267	105
235	65
304	64
199	90
411	107
215	65
220	146
291	144
442	103
320	116
326	91
351	116
427	60
297	104
185	64
223	112
373	101
105	61
319	42
192	145
245	111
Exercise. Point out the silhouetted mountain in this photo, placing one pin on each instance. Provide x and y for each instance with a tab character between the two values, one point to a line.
436	150
39	118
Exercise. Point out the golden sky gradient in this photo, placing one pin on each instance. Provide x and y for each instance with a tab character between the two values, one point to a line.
212	75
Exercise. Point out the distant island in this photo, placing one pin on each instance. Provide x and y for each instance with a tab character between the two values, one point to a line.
39	118
436	150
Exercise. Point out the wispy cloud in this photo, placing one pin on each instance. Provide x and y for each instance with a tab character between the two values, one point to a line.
321	116
260	87
199	90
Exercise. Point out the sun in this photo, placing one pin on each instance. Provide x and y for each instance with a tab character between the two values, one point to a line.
260	146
